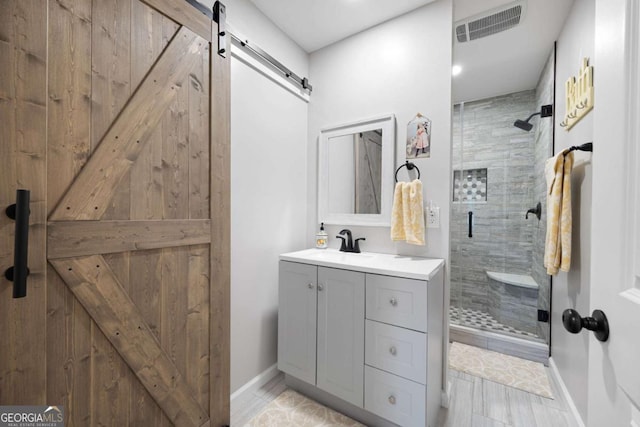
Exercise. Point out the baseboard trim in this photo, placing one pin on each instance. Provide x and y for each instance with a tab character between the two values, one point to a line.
565	392
256	382
445	397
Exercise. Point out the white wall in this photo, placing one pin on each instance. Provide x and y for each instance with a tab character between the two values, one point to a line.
268	189
571	290
403	67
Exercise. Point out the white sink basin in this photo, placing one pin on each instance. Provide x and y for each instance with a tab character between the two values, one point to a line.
369	262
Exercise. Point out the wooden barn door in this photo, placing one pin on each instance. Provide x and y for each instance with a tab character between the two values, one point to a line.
127	323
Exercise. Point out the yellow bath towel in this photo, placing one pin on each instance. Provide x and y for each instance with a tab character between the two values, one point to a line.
407	213
557	251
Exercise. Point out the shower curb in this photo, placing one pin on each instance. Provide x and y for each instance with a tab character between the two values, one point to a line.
514	346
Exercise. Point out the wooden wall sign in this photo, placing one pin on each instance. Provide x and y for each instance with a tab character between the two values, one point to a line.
578	95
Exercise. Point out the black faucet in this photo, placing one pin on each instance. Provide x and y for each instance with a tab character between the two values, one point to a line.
348	244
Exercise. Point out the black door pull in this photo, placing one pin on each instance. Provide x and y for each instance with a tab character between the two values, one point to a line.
597	323
470	224
18	273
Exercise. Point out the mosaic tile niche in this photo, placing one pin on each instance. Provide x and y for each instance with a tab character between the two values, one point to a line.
470	185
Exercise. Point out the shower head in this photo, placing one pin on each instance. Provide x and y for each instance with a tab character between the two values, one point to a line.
545	111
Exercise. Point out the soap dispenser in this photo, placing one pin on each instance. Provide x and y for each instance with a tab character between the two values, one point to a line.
321	238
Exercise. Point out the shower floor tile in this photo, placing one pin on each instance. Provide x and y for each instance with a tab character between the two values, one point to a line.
483	320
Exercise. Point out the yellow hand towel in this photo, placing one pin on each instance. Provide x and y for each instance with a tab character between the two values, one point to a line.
397	217
557	252
407	213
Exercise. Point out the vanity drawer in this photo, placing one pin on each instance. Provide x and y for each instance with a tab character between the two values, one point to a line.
393	398
397	301
397	350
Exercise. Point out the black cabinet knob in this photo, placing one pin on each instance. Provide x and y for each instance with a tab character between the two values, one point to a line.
597	323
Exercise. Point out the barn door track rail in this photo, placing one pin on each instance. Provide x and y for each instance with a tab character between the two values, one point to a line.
218	14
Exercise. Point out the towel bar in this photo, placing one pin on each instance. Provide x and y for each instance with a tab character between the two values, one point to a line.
584	147
409	166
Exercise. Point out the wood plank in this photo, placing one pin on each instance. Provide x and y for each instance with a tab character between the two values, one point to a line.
145	184
111	383
199	138
111	75
111	80
145	191
184	14
68	352
69	107
221	228
112	379
174	148
173	171
197	371
96	287
23	97
144	276
198	304
67	239
174	290
88	196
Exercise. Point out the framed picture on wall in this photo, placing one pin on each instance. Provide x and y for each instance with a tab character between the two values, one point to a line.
419	137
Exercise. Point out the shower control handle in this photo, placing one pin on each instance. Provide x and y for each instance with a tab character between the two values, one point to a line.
597	323
537	211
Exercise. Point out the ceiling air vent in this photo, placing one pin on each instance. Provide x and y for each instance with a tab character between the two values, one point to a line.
490	22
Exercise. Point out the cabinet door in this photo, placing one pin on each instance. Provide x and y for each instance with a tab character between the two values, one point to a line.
297	320
341	334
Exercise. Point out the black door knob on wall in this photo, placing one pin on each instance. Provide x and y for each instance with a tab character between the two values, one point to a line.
597	323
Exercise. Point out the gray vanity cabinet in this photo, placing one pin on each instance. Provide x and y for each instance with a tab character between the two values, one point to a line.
324	306
297	299
363	334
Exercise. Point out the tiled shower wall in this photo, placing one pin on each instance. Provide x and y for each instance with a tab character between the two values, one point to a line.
543	150
502	239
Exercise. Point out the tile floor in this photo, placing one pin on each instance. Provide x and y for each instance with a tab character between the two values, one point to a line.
475	402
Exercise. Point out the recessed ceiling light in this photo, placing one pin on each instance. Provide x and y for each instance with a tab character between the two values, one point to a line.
455	70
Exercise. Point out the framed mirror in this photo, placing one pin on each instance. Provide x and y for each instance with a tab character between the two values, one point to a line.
355	172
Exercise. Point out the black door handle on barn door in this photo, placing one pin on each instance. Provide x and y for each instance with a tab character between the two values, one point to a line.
18	273
597	323
470	224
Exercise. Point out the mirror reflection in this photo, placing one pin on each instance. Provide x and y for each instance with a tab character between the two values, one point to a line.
355	172
355	176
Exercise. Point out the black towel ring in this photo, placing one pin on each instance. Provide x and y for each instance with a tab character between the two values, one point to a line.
409	166
584	147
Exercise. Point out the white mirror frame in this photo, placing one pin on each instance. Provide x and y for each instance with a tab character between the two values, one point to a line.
388	125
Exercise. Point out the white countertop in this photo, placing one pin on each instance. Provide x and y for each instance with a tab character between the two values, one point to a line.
369	262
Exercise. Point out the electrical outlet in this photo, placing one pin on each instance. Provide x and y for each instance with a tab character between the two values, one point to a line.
433	217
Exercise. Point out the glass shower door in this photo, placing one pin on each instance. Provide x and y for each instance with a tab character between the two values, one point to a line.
496	248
